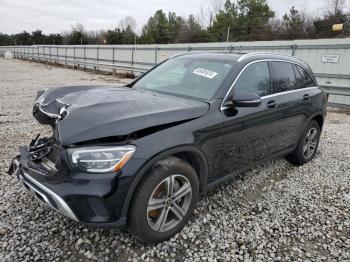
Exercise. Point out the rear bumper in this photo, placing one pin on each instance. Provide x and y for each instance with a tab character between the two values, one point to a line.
92	199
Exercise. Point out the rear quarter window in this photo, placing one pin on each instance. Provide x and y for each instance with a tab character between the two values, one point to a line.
308	82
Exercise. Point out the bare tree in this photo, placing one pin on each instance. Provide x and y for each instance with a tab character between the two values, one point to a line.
335	7
277	28
96	36
216	6
78	27
202	16
309	29
128	21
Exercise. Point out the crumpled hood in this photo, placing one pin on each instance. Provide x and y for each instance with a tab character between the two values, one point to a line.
86	113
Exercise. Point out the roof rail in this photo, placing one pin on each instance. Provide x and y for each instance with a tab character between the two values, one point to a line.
262	53
206	52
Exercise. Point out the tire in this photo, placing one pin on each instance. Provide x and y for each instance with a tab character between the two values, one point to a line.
300	156
153	200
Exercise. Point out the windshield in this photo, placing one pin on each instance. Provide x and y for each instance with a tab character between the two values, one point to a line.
199	78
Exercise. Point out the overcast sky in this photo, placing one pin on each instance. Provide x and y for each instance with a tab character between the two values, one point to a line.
55	16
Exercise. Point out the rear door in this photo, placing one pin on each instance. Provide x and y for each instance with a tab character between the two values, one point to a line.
292	99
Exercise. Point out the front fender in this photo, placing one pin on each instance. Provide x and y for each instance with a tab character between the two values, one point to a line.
203	174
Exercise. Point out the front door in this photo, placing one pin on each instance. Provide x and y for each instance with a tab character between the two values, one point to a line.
251	133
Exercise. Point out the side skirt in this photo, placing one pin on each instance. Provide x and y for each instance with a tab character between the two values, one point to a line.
243	170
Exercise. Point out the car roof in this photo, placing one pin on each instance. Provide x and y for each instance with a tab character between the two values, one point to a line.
243	57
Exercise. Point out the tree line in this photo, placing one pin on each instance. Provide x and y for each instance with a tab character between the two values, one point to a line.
230	20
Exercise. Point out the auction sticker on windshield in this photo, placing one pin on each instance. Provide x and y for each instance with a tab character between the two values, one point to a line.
205	72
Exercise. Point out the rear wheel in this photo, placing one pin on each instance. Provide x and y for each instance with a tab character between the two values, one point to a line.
307	145
164	200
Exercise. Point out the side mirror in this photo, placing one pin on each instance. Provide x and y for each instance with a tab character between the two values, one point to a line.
246	100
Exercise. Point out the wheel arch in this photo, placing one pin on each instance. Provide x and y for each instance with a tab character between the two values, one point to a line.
191	154
319	118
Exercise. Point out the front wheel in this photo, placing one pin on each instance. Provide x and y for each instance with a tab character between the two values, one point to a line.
307	146
164	200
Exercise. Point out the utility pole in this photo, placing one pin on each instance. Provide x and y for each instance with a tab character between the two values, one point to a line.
210	20
228	34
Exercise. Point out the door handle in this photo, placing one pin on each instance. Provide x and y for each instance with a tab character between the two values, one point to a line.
306	97
272	104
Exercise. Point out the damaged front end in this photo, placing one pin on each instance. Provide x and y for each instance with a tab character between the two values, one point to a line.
81	170
46	113
85	113
44	169
30	166
49	113
37	150
40	147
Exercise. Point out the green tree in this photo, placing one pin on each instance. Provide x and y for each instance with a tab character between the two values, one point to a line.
54	39
174	25
156	29
294	24
38	37
335	15
254	16
196	33
128	35
127	28
23	38
323	26
5	39
77	36
224	20
114	37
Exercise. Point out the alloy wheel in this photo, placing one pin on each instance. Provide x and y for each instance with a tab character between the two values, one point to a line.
169	203
310	143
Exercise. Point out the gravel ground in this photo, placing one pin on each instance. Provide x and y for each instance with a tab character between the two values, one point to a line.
277	212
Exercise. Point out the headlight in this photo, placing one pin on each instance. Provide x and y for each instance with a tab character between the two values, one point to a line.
100	159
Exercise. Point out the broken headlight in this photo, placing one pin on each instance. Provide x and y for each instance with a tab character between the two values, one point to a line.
100	159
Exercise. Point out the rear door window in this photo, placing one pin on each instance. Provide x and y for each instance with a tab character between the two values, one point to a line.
255	79
285	79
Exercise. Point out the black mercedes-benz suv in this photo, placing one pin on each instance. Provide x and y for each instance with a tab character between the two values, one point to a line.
141	154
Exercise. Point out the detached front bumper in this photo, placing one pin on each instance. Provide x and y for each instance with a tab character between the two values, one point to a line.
42	193
93	199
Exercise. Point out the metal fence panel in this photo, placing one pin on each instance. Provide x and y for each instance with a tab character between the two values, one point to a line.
333	76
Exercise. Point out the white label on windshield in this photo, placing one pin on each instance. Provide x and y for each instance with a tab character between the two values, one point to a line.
204	72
